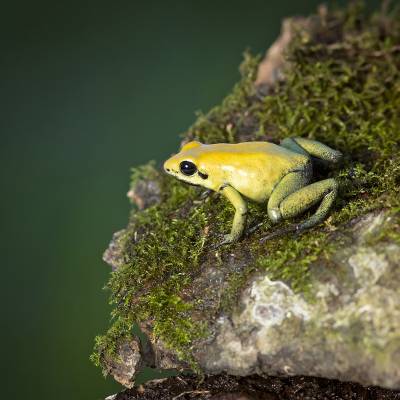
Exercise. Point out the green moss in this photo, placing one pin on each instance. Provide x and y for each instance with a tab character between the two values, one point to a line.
235	281
106	346
292	259
148	285
341	87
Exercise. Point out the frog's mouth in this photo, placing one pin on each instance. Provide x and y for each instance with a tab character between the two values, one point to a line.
178	176
175	173
192	184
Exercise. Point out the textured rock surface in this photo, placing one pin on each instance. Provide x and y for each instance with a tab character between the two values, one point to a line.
270	69
124	369
351	328
114	255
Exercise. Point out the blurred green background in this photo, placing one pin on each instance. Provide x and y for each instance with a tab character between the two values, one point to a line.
89	89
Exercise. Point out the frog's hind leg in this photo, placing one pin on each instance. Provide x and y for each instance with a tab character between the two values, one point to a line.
291	144
312	148
300	201
294	195
290	183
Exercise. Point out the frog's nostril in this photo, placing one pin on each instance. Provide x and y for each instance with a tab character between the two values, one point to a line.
167	169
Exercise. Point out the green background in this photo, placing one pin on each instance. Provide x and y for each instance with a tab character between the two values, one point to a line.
90	89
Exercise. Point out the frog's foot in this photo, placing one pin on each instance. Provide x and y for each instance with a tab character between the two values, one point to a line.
205	194
298	202
253	228
227	239
280	232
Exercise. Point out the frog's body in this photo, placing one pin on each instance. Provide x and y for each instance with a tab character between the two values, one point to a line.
265	165
260	171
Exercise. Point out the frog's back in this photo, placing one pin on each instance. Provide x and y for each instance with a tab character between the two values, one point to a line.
246	149
252	168
243	155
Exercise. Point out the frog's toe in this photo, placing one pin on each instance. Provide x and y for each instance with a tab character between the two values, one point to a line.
227	239
274	215
253	228
280	232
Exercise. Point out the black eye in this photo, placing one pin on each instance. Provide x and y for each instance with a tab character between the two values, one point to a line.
187	168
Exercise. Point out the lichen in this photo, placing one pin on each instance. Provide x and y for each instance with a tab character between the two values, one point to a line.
342	87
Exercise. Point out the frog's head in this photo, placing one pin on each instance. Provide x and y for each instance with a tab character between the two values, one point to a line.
185	165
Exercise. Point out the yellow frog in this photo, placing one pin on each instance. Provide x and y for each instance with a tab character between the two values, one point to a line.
260	171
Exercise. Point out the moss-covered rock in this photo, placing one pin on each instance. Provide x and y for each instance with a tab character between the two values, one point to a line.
349	329
322	302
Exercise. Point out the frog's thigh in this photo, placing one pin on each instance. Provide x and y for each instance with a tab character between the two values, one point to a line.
298	202
239	219
311	147
290	183
291	144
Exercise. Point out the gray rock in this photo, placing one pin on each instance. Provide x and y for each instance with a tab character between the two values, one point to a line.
349	331
129	361
114	254
146	193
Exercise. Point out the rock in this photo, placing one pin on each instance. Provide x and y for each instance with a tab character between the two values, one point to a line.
270	69
350	330
145	193
127	363
114	255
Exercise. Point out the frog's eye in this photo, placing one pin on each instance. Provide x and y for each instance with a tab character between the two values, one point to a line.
187	168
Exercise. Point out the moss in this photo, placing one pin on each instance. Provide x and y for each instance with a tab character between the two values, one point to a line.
148	285
292	259
342	87
235	282
106	346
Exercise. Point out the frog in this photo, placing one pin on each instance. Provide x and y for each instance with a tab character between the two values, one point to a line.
280	175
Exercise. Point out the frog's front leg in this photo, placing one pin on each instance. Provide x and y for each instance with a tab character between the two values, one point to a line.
239	220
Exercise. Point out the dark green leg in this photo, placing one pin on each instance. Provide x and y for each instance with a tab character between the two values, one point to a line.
300	201
291	144
293	195
312	148
289	184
